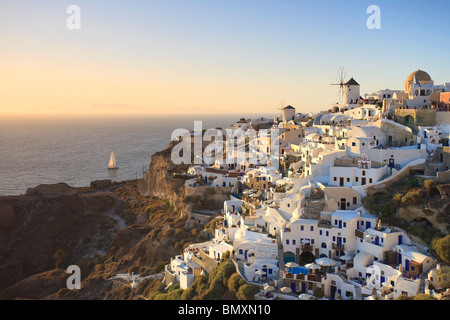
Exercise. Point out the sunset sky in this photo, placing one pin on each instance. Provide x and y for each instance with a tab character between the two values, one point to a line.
210	56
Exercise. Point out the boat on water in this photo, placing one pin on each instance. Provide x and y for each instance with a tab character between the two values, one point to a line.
112	162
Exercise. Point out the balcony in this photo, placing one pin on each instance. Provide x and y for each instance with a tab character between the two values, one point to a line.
299	277
359	234
324	224
307	247
336	246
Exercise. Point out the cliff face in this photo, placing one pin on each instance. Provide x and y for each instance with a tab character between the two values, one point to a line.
121	228
33	228
159	180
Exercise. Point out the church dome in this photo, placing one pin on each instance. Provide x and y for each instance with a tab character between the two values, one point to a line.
420	75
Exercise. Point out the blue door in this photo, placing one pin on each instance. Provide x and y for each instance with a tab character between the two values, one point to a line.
340	224
368	225
264	274
399	258
293	287
245	254
339	241
407	264
400	239
303	287
383	279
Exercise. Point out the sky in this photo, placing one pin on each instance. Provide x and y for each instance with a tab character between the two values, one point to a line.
210	56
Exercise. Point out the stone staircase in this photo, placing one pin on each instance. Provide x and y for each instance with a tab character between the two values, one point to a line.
358	294
424	276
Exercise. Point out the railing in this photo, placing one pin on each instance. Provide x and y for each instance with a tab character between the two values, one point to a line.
336	246
325	224
313	277
359	233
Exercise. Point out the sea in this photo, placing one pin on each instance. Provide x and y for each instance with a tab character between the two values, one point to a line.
76	149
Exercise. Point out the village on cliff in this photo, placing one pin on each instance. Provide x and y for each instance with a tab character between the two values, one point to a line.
300	230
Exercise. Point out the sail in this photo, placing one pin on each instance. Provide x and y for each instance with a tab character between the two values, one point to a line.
112	161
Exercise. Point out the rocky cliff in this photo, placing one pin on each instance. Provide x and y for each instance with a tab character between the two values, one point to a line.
162	181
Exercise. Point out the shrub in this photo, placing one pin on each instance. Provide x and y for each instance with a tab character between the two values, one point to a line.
402	297
442	248
61	259
247	292
235	282
215	291
161	296
175	294
222	272
318	293
160	266
430	185
423	296
413	198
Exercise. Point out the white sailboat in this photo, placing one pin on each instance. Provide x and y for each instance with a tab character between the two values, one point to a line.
112	162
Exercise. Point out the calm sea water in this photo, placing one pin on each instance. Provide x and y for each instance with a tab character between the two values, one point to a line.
76	150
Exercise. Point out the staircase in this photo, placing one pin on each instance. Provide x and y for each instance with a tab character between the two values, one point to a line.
358	295
424	276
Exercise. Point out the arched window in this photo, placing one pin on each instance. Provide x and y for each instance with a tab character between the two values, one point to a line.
323	245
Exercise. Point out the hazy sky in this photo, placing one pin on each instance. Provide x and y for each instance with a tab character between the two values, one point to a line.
212	56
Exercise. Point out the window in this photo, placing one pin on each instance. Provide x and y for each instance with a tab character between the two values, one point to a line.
353	144
345	224
287	241
311	228
294	242
355	200
301	228
320	232
344	240
335	178
364	172
348	179
356	179
327	233
334	238
370	180
241	251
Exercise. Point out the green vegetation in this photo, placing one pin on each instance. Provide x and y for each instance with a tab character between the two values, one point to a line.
223	283
406	193
442	248
318	293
